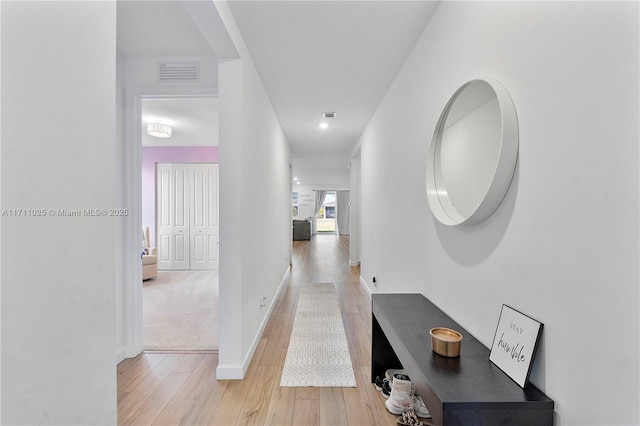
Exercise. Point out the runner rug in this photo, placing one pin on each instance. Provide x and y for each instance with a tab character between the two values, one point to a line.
318	354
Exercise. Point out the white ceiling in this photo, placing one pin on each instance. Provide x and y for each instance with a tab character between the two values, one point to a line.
328	56
194	121
312	56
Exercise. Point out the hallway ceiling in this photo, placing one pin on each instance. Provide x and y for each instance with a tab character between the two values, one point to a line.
312	56
194	121
328	56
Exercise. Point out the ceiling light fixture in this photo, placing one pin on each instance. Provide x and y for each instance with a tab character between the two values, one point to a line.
324	125
159	130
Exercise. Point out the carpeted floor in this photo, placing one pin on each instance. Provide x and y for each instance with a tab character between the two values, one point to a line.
318	353
180	311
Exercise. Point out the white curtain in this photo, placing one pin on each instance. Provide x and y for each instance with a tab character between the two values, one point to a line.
343	206
320	196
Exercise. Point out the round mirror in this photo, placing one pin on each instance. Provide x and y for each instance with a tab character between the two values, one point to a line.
473	154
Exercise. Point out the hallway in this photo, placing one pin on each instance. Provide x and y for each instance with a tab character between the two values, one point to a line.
180	388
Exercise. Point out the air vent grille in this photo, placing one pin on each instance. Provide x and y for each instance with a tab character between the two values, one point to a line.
179	72
329	114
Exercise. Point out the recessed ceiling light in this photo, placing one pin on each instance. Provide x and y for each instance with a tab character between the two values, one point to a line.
295	178
324	125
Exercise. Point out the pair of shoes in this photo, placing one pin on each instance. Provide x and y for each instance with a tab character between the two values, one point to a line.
386	390
388	377
388	381
384	385
402	398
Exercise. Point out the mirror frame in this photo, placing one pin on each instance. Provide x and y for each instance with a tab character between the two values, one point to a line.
439	201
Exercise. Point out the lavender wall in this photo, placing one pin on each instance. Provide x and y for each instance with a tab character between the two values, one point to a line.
156	154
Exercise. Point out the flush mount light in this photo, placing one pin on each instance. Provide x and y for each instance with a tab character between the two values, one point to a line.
324	125
159	130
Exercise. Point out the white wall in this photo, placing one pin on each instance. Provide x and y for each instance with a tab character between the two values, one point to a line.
322	171
306	200
58	298
563	246
142	72
255	205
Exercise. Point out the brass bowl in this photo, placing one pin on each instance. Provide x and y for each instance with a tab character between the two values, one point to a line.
445	341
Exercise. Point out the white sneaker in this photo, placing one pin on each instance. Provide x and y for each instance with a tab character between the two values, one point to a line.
420	408
390	373
401	398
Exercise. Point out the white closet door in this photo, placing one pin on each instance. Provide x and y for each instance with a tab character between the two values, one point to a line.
204	217
180	228
164	213
187	216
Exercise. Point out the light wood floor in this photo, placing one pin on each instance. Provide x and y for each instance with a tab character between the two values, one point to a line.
181	388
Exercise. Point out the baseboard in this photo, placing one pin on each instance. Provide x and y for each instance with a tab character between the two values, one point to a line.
120	355
229	372
365	286
237	371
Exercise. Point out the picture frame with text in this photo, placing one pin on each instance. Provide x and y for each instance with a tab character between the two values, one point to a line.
515	344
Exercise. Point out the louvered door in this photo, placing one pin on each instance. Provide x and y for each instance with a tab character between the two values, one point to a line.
187	216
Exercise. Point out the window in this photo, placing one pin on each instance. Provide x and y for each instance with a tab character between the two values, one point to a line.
326	221
330	212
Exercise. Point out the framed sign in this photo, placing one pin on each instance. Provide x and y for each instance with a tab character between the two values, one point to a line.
515	343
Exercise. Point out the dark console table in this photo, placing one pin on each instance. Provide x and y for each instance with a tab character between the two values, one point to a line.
468	390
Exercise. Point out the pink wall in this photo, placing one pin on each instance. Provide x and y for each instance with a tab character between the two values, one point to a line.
160	154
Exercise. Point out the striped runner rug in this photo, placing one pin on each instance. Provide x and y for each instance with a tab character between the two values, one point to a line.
318	354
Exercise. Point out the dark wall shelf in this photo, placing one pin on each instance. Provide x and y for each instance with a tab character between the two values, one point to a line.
468	390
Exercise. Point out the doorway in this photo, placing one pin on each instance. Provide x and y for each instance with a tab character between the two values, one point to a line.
326	220
180	304
141	55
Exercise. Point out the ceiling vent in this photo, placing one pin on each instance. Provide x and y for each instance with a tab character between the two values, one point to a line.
178	72
329	114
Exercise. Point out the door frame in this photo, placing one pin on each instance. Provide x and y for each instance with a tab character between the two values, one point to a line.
355	197
130	227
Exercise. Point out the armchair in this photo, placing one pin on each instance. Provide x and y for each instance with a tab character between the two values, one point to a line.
149	258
